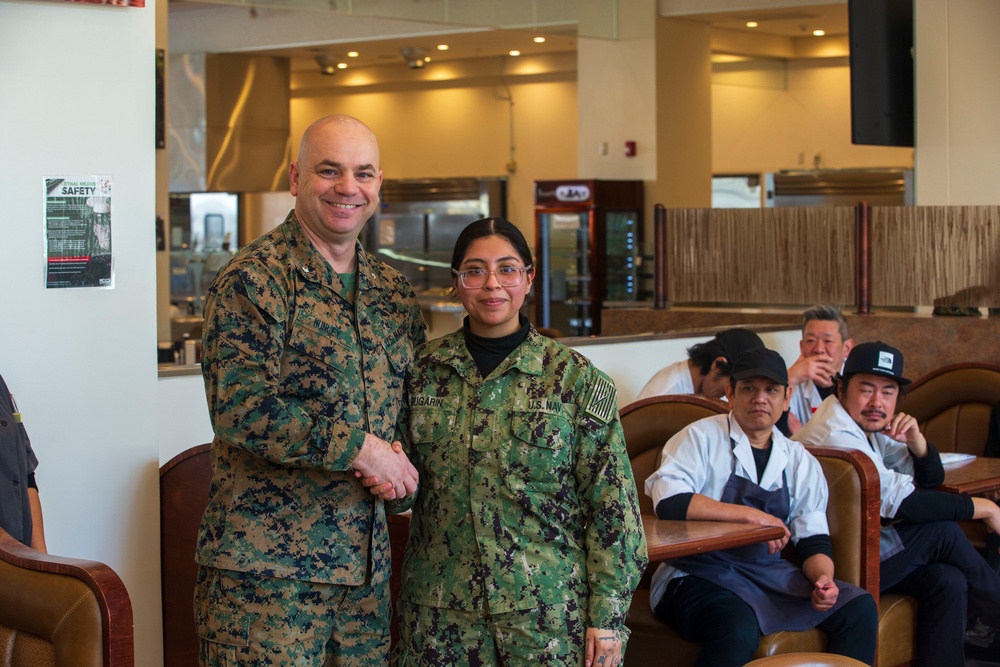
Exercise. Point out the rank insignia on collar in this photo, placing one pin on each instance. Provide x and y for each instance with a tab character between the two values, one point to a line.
601	402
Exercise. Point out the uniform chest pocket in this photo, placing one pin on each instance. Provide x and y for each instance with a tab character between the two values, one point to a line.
398	348
539	455
434	446
320	347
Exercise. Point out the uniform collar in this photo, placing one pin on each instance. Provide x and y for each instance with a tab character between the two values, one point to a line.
527	358
313	267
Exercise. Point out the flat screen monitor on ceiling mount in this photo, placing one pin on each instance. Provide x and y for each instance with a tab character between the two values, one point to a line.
881	35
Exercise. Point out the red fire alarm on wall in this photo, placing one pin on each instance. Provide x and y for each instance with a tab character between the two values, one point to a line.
629	149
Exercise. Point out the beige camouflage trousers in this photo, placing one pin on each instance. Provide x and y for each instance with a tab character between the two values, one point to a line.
246	620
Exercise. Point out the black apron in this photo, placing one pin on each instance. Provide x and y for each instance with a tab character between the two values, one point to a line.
778	591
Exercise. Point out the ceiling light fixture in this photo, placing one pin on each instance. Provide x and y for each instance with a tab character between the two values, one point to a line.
341	65
819	33
327	63
353	54
442	47
539	40
514	52
414	57
752	24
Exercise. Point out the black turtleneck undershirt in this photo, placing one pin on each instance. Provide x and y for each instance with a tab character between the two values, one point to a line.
488	353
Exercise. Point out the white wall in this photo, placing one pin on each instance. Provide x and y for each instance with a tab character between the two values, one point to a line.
183	415
77	99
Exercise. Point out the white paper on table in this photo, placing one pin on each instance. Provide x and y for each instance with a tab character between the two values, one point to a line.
955	458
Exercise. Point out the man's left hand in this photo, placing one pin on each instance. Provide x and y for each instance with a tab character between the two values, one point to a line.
825	593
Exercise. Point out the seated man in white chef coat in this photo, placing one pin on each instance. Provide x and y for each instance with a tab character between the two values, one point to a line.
924	552
706	370
738	467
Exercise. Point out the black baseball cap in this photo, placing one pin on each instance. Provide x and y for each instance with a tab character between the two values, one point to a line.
760	362
878	359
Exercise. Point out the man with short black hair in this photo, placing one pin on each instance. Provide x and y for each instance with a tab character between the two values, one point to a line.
706	370
924	552
738	467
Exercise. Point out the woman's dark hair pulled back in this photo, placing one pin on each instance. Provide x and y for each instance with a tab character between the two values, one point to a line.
490	227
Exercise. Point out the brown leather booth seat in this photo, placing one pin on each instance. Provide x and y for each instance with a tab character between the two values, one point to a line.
61	611
184	485
952	405
854	527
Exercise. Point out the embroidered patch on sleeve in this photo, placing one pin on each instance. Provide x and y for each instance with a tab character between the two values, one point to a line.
601	402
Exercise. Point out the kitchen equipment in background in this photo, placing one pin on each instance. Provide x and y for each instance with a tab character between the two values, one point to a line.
419	220
588	250
203	236
839	187
737	191
415	232
260	212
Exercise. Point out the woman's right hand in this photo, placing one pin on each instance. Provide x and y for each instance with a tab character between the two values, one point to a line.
384	491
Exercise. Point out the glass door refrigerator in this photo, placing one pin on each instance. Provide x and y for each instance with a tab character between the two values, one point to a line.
588	246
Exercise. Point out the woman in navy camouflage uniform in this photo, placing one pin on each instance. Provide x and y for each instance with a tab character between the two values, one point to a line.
526	542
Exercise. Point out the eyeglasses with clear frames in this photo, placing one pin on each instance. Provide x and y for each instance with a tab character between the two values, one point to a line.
507	276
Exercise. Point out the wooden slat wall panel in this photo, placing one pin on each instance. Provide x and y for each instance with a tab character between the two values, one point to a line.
924	253
761	256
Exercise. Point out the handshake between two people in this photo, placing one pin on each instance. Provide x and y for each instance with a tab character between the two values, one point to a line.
384	469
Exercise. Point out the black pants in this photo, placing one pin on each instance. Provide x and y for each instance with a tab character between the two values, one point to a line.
728	631
993	551
940	568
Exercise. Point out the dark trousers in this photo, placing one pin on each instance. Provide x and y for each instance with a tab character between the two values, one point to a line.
940	568
728	631
993	551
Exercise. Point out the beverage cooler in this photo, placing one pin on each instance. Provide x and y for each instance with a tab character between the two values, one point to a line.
588	241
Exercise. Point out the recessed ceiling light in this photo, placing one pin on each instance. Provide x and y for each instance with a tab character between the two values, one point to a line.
341	65
752	24
427	59
539	40
352	54
819	33
442	47
514	52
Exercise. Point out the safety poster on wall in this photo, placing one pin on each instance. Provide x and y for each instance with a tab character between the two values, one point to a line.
78	232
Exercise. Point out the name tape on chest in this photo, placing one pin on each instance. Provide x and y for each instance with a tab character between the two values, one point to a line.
602	400
426	401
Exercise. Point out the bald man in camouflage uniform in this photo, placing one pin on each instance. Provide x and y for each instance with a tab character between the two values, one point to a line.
307	340
526	527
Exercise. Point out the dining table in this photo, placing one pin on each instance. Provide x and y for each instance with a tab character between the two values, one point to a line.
974	476
666	539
